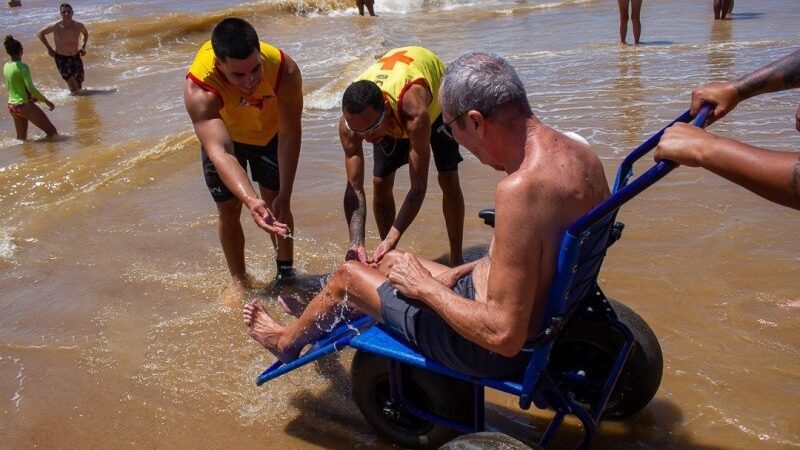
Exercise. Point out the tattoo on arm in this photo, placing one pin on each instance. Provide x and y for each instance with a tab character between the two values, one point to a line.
780	75
795	184
355	210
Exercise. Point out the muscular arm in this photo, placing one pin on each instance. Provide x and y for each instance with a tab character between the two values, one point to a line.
771	174
355	201
203	108
43	37
290	109
414	111
501	322
85	34
778	76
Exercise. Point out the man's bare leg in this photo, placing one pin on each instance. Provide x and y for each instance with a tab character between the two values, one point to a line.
231	236
383	203
352	288
74	86
453	209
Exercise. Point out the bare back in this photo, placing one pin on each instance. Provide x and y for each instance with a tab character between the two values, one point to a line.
559	180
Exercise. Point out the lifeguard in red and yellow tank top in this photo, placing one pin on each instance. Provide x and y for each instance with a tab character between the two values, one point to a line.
249	119
401	68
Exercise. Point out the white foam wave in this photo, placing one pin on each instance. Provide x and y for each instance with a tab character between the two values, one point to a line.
7	246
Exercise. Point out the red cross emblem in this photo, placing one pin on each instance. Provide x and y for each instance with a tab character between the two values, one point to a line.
391	60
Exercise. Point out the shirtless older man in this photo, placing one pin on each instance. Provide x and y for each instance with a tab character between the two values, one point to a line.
68	51
479	317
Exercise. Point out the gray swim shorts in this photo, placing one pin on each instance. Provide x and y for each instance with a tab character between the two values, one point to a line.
413	321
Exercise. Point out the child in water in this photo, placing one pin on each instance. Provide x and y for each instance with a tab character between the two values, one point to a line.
23	95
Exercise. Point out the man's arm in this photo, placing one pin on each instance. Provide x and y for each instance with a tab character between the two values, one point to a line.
85	34
290	110
770	174
355	201
414	111
780	75
203	108
43	37
501	322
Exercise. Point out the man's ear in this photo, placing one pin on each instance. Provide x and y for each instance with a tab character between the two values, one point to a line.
475	119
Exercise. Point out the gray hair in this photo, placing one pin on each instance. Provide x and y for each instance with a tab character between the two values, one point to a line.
484	82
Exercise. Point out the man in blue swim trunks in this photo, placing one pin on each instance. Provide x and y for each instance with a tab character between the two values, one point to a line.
480	317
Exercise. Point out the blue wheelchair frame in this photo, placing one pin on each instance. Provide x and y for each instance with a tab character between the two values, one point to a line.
574	291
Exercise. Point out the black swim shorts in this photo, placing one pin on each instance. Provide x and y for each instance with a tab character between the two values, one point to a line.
70	67
411	320
263	161
391	154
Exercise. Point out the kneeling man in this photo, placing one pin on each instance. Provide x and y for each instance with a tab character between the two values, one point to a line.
478	317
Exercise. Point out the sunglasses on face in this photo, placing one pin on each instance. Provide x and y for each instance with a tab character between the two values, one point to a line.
369	130
445	127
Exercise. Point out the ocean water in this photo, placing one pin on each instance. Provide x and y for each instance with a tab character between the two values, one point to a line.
114	331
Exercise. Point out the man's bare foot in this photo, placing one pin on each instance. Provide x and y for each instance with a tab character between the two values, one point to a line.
292	305
265	331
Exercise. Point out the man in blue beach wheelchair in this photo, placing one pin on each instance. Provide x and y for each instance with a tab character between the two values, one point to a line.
480	318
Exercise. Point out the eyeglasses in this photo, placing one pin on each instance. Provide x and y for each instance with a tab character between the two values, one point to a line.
369	130
445	127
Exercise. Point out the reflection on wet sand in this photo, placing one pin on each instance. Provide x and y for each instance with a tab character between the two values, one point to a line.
630	95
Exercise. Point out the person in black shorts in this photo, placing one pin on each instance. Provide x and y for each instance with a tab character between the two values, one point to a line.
245	100
393	106
70	38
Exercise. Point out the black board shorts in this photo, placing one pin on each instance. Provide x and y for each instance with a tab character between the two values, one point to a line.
392	153
263	162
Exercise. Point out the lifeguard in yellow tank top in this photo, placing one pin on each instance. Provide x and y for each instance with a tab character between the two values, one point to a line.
250	120
401	68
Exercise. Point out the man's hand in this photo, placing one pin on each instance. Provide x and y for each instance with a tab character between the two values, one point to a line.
357	253
281	208
265	220
410	277
722	95
82	52
50	105
683	144
381	250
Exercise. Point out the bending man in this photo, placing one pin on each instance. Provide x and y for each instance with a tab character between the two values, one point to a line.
245	100
393	105
773	175
478	317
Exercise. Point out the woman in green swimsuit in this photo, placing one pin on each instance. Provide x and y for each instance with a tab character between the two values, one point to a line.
23	95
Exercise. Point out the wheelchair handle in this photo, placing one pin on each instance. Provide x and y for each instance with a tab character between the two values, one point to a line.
623	191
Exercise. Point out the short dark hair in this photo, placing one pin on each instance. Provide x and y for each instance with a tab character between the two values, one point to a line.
360	94
64	5
234	38
13	46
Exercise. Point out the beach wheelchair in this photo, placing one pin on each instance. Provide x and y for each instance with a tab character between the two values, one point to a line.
595	357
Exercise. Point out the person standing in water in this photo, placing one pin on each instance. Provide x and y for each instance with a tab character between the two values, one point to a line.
66	35
22	94
368	3
722	8
635	13
245	100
